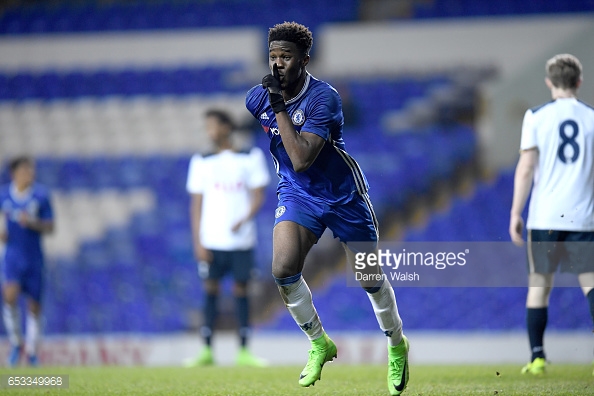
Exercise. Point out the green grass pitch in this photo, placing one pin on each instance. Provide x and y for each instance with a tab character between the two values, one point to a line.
337	379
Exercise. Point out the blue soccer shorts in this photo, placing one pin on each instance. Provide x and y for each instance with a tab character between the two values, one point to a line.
26	272
354	221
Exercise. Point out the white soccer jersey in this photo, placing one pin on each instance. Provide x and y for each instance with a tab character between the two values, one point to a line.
225	180
563	192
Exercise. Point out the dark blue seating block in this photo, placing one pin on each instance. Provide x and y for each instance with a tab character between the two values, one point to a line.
127	82
569	309
22	86
50	85
179	245
65	16
462	8
137	318
456	309
105	83
146	225
142	277
130	172
95	254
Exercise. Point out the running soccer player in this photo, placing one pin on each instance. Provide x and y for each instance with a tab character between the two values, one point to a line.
557	155
28	212
320	186
227	191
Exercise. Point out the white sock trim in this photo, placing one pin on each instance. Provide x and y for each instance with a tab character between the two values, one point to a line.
298	300
12	323
386	311
33	334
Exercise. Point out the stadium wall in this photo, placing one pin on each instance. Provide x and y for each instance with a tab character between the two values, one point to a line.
508	44
79	52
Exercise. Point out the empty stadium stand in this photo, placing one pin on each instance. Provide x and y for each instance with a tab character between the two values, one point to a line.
115	150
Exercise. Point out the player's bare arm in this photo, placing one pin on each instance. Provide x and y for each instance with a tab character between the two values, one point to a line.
3	232
200	253
39	225
522	184
303	148
257	195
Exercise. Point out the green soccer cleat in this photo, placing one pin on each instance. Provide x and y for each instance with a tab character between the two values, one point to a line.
536	367
246	359
323	350
398	367
204	359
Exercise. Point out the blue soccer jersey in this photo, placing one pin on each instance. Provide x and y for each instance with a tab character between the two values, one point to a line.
24	244
334	177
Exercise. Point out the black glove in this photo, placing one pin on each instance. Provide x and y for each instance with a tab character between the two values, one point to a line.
272	83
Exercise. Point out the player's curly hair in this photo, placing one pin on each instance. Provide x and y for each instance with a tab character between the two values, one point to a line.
564	71
292	32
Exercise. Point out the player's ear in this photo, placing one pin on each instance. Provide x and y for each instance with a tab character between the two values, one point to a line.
549	83
305	60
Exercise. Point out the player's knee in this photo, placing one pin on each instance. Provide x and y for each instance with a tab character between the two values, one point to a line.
284	268
538	297
283	272
34	307
10	300
211	287
543	281
586	280
10	294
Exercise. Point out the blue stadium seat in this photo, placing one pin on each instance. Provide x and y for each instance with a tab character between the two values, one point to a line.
130	173
146	225
92	16
50	86
73	174
75	85
95	254
22	86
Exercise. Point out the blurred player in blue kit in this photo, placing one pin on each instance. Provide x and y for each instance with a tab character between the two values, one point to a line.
227	191
557	164
26	207
320	186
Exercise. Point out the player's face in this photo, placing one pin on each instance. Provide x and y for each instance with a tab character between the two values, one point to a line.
217	131
290	63
24	175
